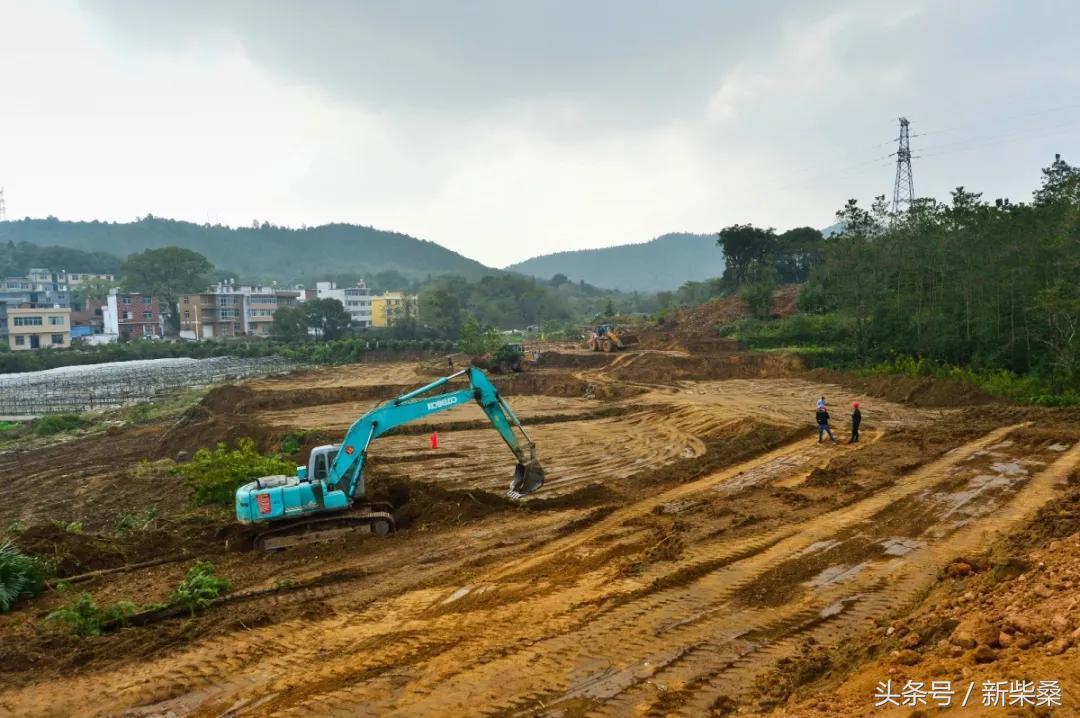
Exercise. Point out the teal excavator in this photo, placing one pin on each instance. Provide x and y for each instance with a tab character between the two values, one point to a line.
314	505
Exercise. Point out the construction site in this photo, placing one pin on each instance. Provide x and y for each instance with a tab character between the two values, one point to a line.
694	549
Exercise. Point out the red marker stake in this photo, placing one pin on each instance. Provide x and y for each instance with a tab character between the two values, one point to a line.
434	440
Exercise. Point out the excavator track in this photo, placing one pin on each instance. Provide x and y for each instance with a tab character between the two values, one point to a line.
376	520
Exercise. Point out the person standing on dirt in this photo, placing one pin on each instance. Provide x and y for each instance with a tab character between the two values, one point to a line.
856	419
450	363
823	422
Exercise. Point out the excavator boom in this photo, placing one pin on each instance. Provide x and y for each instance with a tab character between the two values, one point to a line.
333	481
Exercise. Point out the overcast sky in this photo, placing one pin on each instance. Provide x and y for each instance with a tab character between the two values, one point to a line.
508	129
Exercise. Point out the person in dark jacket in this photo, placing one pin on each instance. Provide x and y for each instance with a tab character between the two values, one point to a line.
823	424
856	419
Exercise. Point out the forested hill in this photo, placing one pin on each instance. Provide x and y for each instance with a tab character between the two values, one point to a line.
262	253
661	264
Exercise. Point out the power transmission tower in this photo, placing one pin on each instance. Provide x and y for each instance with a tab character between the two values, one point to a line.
904	189
3	207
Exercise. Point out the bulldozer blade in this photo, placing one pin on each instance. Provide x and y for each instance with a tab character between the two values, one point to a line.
528	478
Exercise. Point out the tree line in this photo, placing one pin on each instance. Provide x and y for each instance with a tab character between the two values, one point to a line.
968	282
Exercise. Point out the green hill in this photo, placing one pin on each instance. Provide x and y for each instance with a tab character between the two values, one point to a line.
661	264
263	253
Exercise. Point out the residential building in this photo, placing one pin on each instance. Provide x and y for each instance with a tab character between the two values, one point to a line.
38	291
50	287
232	310
356	300
38	328
133	315
392	306
76	279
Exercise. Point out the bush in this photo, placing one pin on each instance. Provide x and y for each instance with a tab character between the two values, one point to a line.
21	576
215	475
758	298
57	423
199	587
85	618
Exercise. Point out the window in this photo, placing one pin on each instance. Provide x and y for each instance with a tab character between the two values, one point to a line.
56	321
184	299
187	314
28	321
128	316
20	340
57	338
148	315
148	299
125	299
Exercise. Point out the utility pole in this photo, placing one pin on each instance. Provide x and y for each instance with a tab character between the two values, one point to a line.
904	189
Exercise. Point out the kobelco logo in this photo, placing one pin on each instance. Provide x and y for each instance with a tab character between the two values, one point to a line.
448	401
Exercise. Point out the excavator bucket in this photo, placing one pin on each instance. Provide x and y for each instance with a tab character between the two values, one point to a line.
527	479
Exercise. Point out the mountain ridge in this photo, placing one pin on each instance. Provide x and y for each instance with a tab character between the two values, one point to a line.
662	263
260	253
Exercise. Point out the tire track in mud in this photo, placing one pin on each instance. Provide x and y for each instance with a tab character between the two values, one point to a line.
644	626
530	633
636	632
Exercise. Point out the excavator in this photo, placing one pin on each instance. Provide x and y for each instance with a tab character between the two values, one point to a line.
312	506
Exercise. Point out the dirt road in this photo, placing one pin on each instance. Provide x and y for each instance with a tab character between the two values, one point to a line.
692	537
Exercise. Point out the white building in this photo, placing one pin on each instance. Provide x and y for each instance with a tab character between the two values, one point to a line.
356	300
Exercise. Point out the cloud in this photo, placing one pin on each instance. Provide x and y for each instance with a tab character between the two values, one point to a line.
502	129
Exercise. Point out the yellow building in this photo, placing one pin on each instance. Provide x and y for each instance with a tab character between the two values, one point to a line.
38	328
391	306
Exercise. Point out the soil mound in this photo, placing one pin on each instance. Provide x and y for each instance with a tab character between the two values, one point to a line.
664	368
75	552
916	391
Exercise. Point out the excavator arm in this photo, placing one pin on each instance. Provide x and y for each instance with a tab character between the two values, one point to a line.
347	470
275	497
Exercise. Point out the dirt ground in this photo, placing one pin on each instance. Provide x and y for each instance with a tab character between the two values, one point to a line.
695	551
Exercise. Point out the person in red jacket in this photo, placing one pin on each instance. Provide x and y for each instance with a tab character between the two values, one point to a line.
856	419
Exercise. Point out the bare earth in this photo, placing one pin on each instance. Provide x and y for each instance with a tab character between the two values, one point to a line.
694	544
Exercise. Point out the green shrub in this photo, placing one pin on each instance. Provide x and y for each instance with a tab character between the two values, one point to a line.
199	587
56	423
215	475
85	618
758	298
21	576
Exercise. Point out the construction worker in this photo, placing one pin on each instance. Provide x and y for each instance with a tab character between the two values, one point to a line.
823	422
450	363
856	419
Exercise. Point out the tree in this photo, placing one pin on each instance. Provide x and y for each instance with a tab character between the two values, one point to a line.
747	250
290	324
440	309
91	289
559	279
327	317
166	273
477	339
796	253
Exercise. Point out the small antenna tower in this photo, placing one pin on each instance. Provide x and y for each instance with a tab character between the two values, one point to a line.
904	189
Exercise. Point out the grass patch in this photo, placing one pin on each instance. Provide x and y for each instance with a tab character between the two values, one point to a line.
59	423
86	618
1028	389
